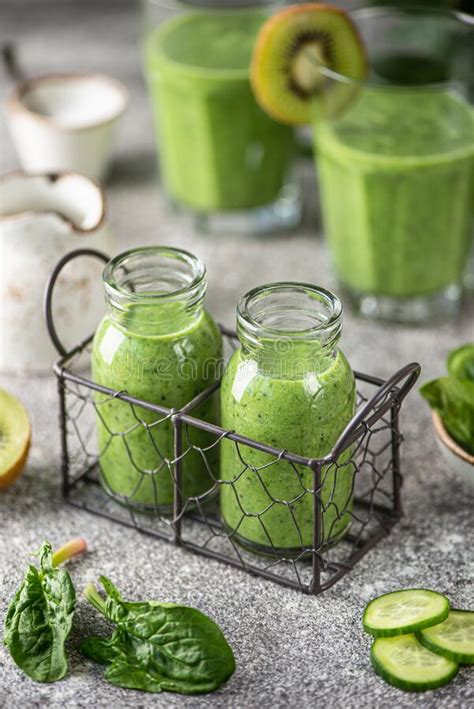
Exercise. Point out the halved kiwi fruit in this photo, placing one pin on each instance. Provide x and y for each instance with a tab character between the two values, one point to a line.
289	51
15	437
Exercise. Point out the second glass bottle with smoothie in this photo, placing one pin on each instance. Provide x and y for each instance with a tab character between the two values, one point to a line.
220	155
158	344
290	387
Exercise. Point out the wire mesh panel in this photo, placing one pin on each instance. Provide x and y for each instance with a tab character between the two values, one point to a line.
158	470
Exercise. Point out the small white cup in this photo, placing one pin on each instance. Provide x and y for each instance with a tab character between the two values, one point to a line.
64	122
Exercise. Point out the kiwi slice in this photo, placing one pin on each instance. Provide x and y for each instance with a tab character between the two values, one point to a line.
15	437
289	51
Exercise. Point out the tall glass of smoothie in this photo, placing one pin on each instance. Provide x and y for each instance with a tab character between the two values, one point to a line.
157	343
220	156
395	157
288	386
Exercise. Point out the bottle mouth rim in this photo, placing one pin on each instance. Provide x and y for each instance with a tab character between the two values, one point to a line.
197	271
249	322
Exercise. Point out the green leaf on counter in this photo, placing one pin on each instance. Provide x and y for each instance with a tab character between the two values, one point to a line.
98	649
39	620
158	646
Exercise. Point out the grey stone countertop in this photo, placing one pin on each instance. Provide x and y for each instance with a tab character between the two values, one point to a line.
291	649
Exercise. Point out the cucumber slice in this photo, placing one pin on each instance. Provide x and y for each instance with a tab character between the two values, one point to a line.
453	638
402	612
406	664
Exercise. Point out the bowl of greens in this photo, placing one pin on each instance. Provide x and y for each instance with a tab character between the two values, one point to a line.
451	399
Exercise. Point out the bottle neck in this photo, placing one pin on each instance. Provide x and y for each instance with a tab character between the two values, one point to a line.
155	291
289	329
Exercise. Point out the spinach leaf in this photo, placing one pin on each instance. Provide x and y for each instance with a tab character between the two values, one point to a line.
453	400
98	649
158	646
39	616
461	362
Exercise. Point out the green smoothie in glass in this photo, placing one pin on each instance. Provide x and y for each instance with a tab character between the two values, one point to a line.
395	176
218	150
395	158
287	386
157	344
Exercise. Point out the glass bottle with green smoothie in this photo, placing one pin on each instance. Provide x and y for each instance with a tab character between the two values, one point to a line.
156	343
288	386
220	155
395	157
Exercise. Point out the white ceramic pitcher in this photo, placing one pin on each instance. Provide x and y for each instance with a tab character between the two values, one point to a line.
42	217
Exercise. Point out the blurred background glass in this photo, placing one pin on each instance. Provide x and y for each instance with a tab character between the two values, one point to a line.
219	153
395	159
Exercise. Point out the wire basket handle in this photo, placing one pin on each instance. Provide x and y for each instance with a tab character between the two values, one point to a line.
389	395
48	293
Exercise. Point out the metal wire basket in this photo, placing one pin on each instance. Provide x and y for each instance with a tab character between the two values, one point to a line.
368	450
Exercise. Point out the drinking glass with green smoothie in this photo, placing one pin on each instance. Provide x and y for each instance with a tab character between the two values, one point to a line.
386	91
221	156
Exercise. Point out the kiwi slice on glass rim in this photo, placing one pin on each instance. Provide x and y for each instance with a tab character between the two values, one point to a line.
289	51
15	438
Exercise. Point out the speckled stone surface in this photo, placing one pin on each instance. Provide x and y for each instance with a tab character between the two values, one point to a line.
291	650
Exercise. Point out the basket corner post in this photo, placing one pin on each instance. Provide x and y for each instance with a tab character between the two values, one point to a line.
315	586
63	434
397	480
177	478
409	375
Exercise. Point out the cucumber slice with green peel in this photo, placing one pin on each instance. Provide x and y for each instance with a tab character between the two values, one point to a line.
402	612
405	663
453	638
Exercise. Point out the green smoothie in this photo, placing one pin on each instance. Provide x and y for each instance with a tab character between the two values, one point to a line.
218	149
303	414
166	369
396	176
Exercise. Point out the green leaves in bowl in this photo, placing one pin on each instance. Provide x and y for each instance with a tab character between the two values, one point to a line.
158	646
452	397
461	362
39	617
